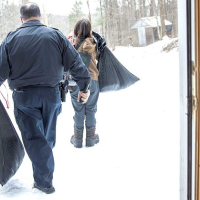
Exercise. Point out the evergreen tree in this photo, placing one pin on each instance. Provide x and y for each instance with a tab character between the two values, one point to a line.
76	14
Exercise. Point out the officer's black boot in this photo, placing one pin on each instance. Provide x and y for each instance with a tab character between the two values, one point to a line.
91	137
45	190
77	138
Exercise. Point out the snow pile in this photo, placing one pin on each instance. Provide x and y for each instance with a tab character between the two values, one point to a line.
166	44
172	44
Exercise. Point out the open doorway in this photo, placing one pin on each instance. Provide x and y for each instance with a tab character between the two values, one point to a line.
138	153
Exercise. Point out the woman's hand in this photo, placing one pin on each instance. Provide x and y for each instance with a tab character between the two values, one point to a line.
83	96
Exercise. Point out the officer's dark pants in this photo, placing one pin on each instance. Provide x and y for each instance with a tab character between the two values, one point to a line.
36	110
89	109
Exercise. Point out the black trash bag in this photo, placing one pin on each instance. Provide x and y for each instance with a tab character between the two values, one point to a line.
100	42
11	148
113	75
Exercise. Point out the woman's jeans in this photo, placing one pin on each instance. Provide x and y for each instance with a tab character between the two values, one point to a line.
85	111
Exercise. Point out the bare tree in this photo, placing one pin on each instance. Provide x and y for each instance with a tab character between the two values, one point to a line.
162	19
152	6
120	15
140	10
76	14
9	18
89	15
174	16
144	8
59	22
101	10
106	17
45	17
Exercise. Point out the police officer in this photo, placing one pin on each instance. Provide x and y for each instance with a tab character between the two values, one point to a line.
33	59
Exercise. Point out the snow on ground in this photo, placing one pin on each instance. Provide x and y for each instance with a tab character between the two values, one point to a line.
138	154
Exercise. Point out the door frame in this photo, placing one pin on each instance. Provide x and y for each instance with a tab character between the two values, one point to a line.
187	167
197	72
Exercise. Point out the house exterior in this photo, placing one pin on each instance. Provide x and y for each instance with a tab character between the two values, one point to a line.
147	28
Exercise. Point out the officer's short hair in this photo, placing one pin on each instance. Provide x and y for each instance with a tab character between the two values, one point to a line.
29	10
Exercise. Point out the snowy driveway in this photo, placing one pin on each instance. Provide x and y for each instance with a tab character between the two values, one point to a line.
138	154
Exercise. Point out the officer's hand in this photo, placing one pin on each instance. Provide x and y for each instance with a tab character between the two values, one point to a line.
83	96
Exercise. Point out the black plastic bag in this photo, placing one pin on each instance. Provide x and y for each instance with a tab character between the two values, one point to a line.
113	75
100	42
11	148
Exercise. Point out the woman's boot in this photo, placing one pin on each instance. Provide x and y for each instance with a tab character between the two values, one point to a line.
91	137
77	138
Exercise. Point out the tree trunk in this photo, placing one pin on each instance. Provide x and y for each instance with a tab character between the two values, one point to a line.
111	26
89	15
166	8
101	17
140	9
136	16
45	17
162	19
175	18
158	29
144	14
132	10
152	6
106	21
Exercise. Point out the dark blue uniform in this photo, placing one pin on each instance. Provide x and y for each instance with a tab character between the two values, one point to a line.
33	59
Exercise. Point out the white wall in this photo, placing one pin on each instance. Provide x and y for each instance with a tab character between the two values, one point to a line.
142	36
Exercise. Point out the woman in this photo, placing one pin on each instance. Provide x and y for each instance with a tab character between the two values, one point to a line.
84	42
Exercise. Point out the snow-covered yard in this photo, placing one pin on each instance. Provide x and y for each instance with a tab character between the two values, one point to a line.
138	154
